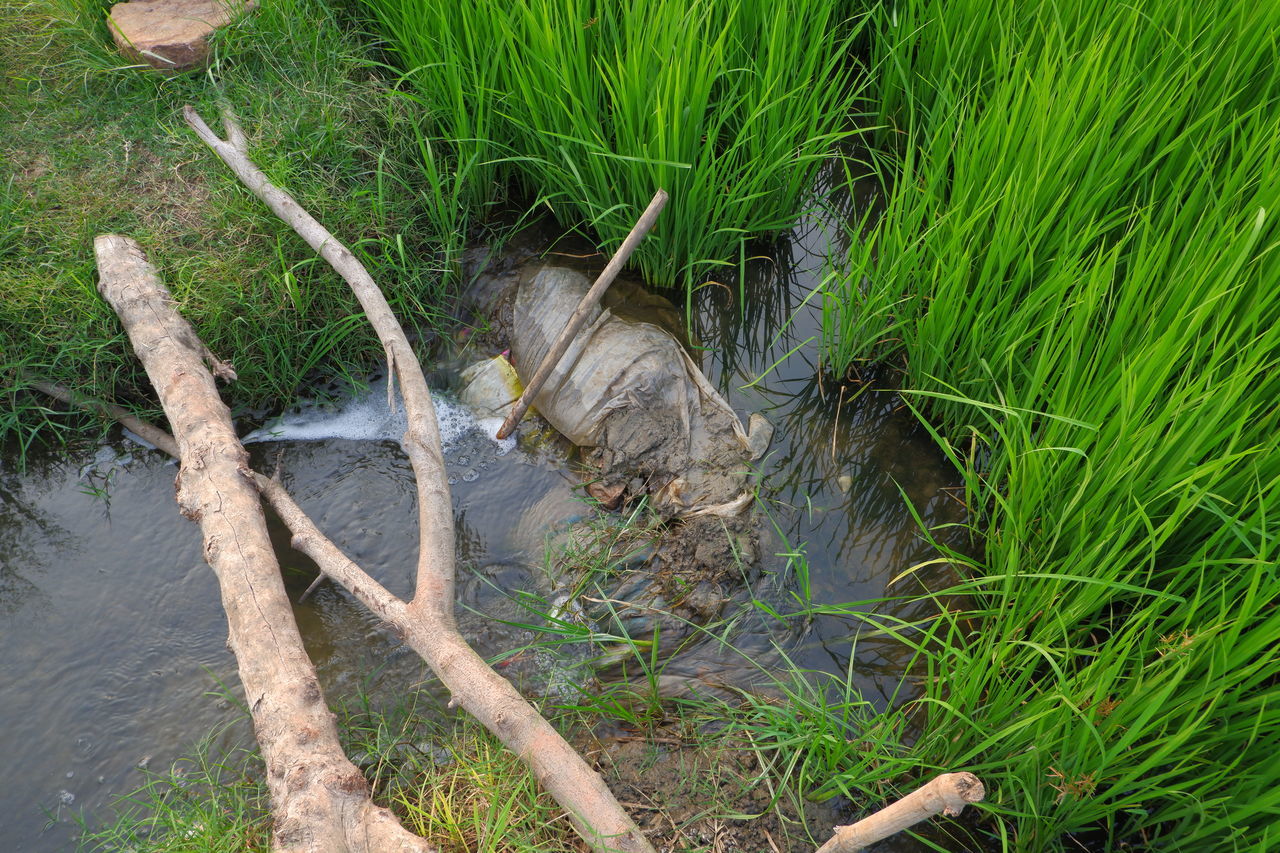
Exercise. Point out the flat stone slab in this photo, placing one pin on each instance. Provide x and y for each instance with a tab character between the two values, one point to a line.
171	35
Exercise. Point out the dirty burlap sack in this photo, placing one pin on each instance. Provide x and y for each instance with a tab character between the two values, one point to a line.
629	388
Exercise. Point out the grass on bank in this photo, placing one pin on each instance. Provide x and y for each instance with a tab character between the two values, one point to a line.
707	779
455	785
207	802
591	107
90	147
1077	261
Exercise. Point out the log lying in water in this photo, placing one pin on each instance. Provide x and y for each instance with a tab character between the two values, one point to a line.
320	800
427	621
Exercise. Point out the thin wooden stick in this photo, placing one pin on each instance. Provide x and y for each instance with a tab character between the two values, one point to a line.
150	433
579	316
946	794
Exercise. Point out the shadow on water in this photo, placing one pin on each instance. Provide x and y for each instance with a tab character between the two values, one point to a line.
112	629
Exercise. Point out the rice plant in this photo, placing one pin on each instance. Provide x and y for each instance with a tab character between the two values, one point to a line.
591	107
1077	263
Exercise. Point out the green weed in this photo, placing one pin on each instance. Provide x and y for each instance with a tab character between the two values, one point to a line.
207	803
1076	260
91	146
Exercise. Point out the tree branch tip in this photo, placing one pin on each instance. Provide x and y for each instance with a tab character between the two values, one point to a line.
235	134
193	118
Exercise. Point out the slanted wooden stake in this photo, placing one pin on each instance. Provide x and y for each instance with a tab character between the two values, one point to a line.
579	316
427	621
319	800
946	794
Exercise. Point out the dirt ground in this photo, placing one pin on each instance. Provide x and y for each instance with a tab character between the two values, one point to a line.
691	795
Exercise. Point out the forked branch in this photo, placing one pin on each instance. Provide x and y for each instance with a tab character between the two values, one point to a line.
427	621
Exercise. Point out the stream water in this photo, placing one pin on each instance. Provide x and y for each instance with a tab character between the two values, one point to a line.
112	652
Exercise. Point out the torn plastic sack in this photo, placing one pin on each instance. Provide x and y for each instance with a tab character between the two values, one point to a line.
629	388
490	387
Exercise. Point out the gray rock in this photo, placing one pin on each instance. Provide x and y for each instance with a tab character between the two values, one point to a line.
171	35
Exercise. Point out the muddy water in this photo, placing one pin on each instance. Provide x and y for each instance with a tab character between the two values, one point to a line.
113	638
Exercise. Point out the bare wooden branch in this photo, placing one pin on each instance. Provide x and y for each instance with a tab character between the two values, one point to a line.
427	621
946	794
320	800
150	433
579	316
334	564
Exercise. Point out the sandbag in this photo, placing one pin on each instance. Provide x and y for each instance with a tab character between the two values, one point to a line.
629	388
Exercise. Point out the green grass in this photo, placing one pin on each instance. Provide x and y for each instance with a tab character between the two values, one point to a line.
450	781
1077	264
89	147
590	108
208	802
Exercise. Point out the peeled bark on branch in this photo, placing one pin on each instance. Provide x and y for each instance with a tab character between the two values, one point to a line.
427	621
946	794
320	800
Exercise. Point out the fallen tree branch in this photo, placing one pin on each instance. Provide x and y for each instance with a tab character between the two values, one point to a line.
320	800
946	794
149	433
579	316
428	621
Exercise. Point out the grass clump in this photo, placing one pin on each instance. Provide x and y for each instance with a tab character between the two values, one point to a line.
591	107
90	147
1077	263
205	803
450	781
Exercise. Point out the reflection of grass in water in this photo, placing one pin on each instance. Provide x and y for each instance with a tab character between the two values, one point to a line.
1078	263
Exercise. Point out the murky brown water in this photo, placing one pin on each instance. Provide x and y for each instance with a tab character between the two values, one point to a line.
113	638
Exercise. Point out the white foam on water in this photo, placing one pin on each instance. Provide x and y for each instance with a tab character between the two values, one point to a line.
490	427
367	417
